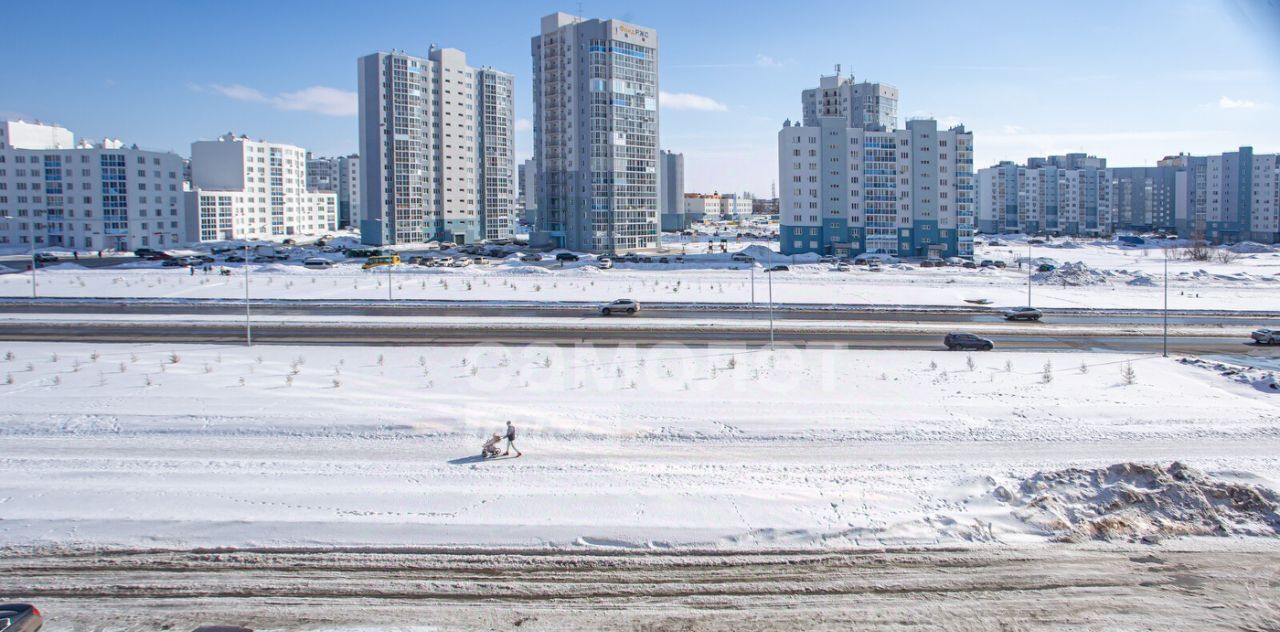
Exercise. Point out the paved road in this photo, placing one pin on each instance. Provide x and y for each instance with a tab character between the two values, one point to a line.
985	588
735	311
602	331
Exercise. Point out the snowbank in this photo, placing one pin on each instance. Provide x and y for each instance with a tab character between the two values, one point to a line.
1135	501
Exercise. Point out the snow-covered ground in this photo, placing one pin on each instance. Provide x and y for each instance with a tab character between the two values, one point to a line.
1109	276
136	445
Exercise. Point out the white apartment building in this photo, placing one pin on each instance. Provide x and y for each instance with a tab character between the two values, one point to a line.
349	191
339	175
55	192
1058	195
254	189
848	190
595	90
437	154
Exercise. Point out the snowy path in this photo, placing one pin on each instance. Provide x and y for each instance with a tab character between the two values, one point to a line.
174	446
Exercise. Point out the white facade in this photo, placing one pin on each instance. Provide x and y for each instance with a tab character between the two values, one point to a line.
850	190
86	196
436	149
254	189
23	135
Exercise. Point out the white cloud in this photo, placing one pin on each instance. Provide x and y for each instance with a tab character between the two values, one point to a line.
1013	129
947	122
1228	103
685	101
523	125
765	61
318	99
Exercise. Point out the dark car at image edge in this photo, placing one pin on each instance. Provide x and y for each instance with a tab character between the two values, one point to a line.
20	617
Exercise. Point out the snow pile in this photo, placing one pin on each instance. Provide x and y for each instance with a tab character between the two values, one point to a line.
1250	248
1264	381
1135	501
1072	273
1143	280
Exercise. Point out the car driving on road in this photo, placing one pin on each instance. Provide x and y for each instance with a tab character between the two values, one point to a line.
44	257
20	617
317	263
1266	337
963	340
620	306
1022	313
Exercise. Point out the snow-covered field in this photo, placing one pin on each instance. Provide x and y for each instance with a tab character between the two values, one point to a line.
136	445
1109	277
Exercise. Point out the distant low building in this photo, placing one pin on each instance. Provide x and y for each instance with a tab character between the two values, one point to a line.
1057	195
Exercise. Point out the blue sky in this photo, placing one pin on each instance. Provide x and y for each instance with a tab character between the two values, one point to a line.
1130	80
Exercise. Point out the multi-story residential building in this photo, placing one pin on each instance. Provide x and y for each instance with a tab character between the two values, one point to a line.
322	174
595	87
254	189
1058	195
348	190
55	192
872	106
528	191
340	175
848	190
436	152
1234	196
671	184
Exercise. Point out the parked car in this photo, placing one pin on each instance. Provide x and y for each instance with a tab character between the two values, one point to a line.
843	267
1022	313
1266	337
739	257
20	617
987	263
175	262
158	256
874	266
531	258
566	256
203	258
317	263
289	242
461	262
970	265
778	268
264	259
144	253
995	242
1001	264
236	258
620	306
604	263
932	262
44	257
1036	242
826	259
962	340
1046	267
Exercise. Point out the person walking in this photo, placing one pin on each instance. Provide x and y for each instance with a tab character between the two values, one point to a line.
511	440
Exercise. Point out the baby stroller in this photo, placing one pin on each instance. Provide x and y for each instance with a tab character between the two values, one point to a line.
490	448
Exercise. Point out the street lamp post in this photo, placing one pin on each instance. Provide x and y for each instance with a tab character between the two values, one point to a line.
1166	302
248	324
753	285
770	277
388	281
1028	272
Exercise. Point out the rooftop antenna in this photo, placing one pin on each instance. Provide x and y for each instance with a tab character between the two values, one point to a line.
579	16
